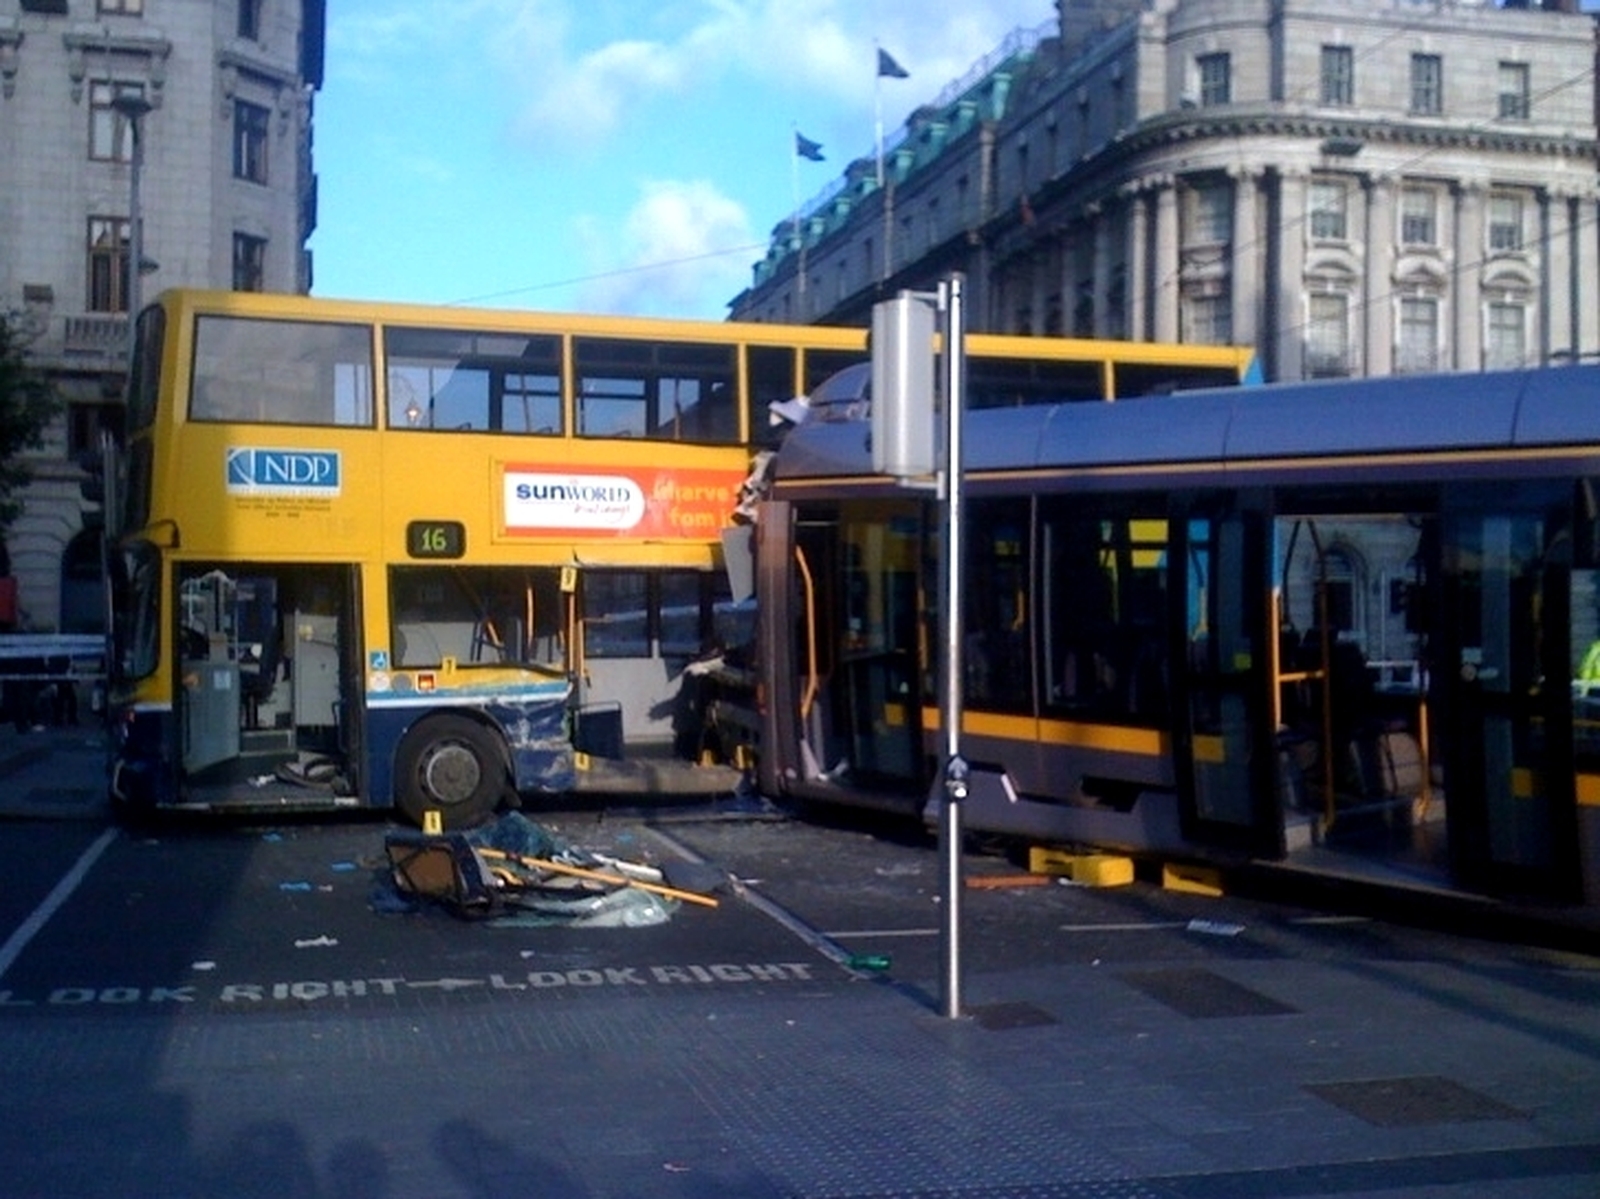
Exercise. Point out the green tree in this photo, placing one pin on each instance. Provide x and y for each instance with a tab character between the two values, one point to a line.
28	403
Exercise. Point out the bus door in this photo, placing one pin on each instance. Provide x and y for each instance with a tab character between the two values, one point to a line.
860	646
1222	743
267	669
1507	665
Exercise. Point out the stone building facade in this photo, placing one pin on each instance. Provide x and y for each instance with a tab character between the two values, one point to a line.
1355	187
217	95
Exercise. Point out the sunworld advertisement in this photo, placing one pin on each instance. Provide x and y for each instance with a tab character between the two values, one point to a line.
635	502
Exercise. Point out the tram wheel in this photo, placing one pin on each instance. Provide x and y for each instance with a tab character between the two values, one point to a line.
451	765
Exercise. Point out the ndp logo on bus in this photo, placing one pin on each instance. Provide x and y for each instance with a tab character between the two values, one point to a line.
255	470
595	503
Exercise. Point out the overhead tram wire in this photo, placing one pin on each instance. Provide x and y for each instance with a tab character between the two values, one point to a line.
619	273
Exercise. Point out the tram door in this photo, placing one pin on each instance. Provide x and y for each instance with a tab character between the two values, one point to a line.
1222	744
861	699
1507	663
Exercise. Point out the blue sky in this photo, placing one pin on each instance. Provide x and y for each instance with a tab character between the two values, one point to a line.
604	155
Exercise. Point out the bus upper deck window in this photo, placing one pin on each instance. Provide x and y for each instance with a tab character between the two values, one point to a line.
281	372
662	390
473	381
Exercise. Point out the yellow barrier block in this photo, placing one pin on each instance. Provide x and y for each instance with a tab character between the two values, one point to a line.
580	760
1085	869
1196	880
1103	870
432	822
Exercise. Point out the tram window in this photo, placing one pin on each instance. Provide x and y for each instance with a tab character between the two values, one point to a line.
996	651
1103	641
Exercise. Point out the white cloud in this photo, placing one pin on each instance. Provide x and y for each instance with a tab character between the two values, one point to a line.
822	49
683	249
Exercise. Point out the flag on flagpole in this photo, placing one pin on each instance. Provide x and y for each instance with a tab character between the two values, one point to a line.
888	68
805	148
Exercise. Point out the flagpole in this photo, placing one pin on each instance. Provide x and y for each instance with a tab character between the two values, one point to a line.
794	178
877	106
794	187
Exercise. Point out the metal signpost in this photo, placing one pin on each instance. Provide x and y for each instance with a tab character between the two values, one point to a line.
903	410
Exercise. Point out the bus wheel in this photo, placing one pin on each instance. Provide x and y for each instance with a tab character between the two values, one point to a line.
451	765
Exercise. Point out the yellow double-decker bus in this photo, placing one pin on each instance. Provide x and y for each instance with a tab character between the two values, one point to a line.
431	557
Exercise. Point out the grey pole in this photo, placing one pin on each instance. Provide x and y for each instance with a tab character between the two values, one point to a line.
955	774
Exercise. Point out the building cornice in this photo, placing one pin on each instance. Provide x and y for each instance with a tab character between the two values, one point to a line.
148	44
1188	126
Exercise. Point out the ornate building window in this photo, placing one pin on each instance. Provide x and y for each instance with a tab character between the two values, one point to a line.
1505	343
1505	223
1327	335
250	20
1338	76
1208	213
1326	201
1216	84
1514	97
1417	347
249	262
1427	85
110	133
108	252
1208	317
249	141
1419	216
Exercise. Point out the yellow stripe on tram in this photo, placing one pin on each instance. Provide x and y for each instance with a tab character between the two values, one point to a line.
1076	734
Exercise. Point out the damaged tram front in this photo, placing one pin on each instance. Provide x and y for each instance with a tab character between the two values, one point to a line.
381	555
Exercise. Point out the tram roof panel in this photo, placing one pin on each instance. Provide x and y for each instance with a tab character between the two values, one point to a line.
1353	417
1561	406
1345	418
1190	427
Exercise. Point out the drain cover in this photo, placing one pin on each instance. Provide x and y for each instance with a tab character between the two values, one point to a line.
1425	1099
1000	1016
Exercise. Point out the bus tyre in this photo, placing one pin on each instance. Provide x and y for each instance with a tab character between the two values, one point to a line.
453	766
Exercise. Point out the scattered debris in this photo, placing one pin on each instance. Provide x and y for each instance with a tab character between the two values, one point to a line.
1214	928
515	872
999	882
873	963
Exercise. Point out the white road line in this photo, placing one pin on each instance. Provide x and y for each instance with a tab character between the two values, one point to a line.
29	928
1144	926
884	932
